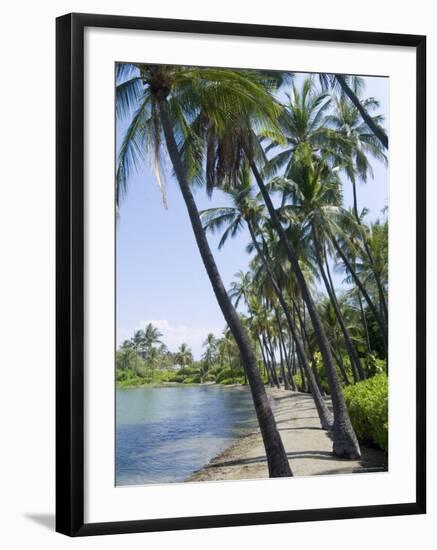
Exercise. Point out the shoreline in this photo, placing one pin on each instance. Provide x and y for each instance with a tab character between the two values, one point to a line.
180	385
307	445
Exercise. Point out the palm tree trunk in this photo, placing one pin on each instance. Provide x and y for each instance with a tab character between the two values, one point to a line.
357	369
307	342
379	132
291	384
345	442
269	365
339	361
283	372
363	290
364	322
370	256
361	371
271	351
265	362
324	414
277	460
281	351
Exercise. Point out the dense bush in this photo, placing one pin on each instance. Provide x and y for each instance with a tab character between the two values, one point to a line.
322	375
367	403
194	379
298	381
375	366
226	375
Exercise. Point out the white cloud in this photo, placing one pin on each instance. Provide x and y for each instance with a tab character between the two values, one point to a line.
175	335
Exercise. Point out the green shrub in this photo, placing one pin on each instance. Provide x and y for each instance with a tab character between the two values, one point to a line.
375	366
298	381
224	374
367	403
322	375
121	374
235	380
195	379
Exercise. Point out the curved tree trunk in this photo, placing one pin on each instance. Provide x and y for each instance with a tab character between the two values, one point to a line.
379	132
271	354
364	323
357	369
277	460
283	371
345	442
264	361
340	364
324	414
291	384
368	251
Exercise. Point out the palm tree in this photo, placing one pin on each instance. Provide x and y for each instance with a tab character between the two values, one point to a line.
184	355
138	346
347	247
153	359
315	192
151	337
360	145
241	286
210	345
302	121
351	86
170	102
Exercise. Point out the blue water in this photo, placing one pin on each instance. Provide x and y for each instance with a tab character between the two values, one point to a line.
166	434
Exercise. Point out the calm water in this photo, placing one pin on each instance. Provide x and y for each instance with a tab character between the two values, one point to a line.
165	434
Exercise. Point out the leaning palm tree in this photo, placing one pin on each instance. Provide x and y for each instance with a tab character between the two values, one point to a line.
347	246
350	86
316	200
360	145
170	101
246	210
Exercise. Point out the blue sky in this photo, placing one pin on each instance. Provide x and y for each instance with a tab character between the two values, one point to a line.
160	275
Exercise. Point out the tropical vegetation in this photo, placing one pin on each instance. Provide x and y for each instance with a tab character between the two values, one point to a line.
282	149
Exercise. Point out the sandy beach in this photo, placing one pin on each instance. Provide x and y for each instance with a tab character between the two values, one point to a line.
307	445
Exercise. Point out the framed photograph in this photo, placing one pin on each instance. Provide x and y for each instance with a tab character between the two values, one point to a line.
240	274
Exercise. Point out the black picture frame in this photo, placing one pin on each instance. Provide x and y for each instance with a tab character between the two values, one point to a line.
70	273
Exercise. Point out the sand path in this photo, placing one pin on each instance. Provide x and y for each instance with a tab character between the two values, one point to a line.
307	445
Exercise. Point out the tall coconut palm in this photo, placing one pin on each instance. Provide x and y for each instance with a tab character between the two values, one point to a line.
360	143
316	200
151	337
184	355
361	146
302	121
138	346
209	355
241	287
169	102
